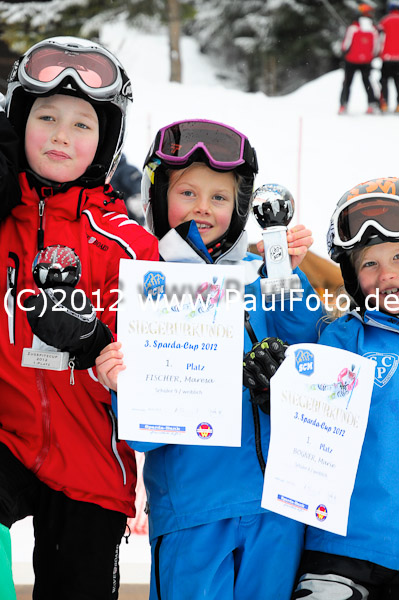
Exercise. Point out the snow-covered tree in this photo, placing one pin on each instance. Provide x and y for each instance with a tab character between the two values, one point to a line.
270	45
275	45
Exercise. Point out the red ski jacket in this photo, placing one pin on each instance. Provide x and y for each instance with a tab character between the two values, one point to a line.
66	433
360	43
389	27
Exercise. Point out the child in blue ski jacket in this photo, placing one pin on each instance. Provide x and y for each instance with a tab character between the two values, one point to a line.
364	239
209	536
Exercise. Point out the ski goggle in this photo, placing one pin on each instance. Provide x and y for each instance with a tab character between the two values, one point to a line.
93	69
352	220
225	147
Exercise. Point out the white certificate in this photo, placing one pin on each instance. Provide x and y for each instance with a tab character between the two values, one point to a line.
181	326
320	400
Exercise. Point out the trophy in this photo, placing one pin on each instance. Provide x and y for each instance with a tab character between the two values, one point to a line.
53	266
273	208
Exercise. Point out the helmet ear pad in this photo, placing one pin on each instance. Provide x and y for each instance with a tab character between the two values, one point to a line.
159	202
241	211
18	116
110	124
350	280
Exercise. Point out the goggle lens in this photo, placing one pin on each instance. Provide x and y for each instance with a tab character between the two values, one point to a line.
95	69
224	146
380	212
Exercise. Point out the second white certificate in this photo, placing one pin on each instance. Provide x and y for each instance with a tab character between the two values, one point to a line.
181	326
320	399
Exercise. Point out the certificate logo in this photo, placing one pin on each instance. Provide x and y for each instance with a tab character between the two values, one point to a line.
211	293
321	512
348	378
387	364
292	502
154	284
204	430
304	362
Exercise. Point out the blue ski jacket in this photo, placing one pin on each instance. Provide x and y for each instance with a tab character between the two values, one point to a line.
192	485
373	527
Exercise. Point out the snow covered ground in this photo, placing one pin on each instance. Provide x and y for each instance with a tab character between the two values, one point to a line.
301	143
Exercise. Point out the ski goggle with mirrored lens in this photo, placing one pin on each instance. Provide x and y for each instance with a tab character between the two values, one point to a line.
224	147
93	70
352	220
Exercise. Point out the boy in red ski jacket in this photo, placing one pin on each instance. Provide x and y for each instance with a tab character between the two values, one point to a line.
60	460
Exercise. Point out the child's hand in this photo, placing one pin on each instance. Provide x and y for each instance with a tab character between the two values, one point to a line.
109	363
299	241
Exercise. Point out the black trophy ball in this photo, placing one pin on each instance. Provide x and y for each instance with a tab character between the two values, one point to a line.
272	205
56	266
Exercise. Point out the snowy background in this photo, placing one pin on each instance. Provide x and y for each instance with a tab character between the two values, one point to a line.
301	143
300	140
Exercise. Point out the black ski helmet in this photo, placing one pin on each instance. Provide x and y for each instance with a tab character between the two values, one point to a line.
207	142
63	65
365	215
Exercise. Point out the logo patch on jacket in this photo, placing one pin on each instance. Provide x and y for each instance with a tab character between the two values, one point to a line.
93	240
387	363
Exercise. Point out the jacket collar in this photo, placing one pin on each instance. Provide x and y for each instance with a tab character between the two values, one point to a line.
71	202
376	318
173	248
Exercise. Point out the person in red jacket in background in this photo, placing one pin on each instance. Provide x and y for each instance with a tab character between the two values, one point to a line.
360	46
389	32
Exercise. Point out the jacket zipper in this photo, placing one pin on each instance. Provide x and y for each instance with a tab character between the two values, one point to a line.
40	377
12	280
40	231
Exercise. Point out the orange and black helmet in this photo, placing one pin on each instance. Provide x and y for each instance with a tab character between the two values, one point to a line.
365	9
365	215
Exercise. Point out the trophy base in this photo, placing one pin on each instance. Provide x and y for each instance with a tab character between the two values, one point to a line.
43	359
284	288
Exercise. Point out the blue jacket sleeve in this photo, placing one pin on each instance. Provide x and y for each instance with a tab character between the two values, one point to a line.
300	319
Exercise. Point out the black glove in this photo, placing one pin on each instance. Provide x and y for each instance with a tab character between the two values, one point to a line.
259	365
65	318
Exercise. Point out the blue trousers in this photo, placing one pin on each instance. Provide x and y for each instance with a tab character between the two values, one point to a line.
244	558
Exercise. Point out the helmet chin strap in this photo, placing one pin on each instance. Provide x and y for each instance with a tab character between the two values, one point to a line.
92	177
217	247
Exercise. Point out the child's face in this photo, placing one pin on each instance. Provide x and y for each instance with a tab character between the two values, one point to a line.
378	267
61	137
198	193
